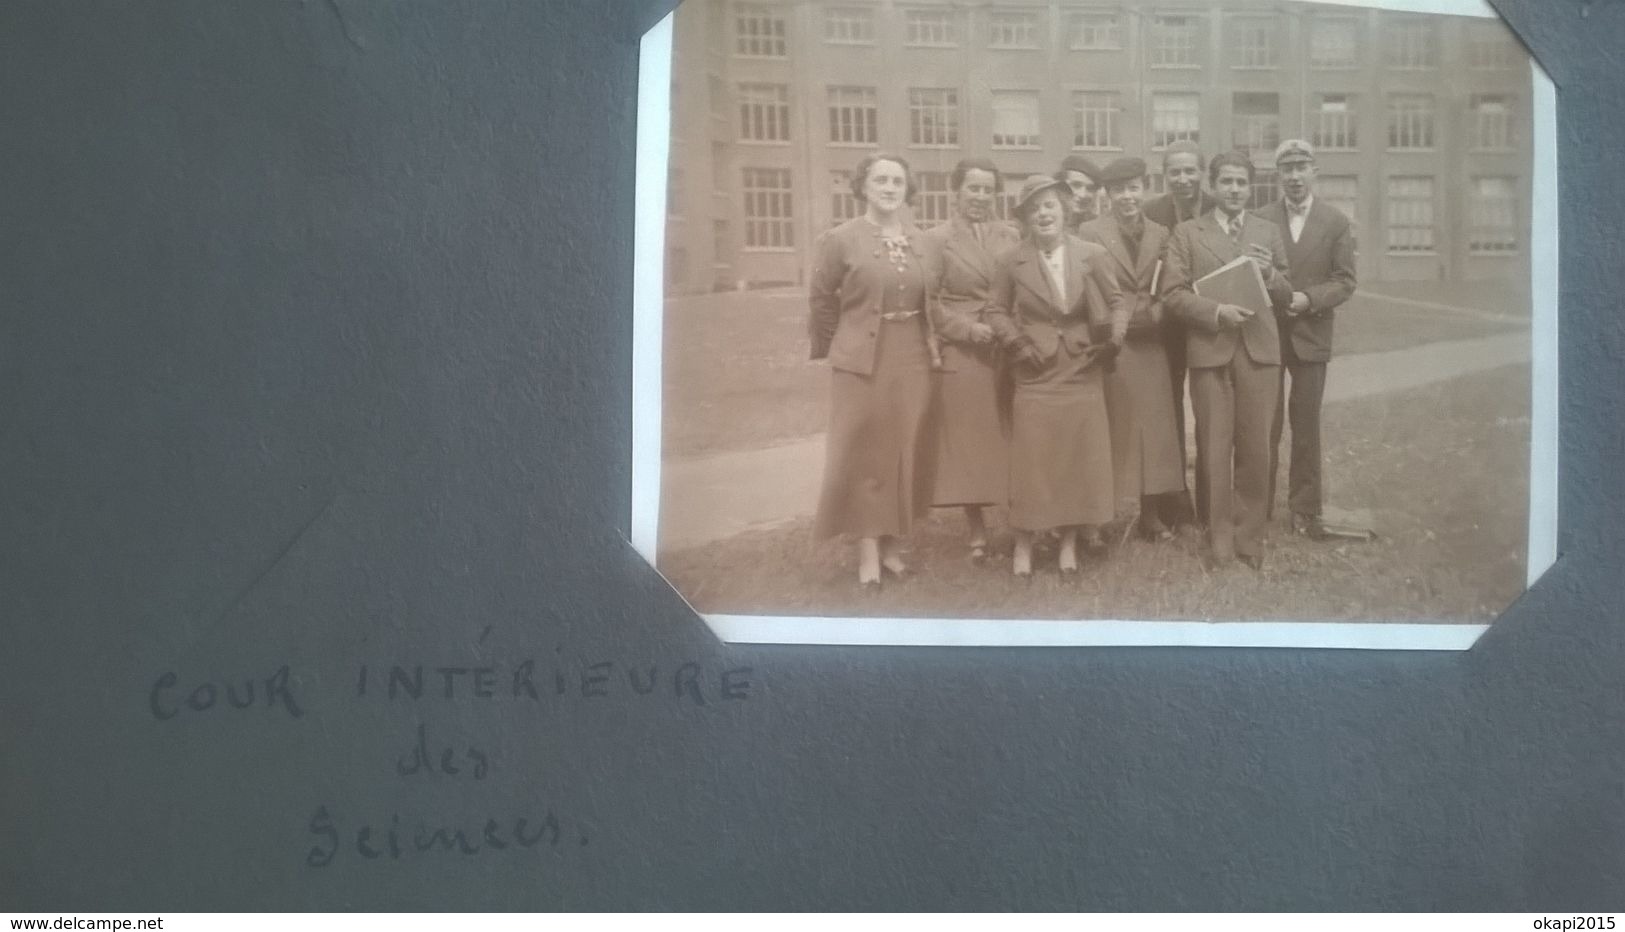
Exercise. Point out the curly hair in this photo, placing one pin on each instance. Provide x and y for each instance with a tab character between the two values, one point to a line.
1234	158
966	166
860	176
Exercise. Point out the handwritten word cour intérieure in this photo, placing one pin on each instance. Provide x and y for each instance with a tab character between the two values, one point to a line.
525	681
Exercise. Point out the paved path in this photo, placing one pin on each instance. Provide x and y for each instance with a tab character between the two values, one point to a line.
712	497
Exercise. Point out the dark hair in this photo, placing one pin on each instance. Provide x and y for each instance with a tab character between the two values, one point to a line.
861	175
966	166
1186	147
1234	158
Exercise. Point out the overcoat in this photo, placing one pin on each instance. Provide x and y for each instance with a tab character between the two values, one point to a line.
1060	444
1146	457
973	460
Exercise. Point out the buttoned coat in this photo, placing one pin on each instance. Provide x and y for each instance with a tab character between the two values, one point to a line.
1199	247
1134	275
1024	303
966	269
847	293
1321	265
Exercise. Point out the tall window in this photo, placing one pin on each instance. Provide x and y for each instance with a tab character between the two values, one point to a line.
1336	123
934	28
1004	203
843	204
1013	29
769	217
1411	44
758	31
933	116
1490	45
844	25
1493	217
1266	188
853	116
1255	122
1174	117
1094	120
721	241
1159	184
1334	42
1174	41
1252	42
1491	122
719	168
717	92
1342	192
1101	29
1410	121
764	112
932	203
1410	214
1015	120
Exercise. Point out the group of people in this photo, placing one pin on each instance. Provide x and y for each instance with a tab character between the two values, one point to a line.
1042	365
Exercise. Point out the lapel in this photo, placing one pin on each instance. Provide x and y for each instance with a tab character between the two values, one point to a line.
1314	227
1216	241
1112	239
1030	274
961	243
1151	243
1074	272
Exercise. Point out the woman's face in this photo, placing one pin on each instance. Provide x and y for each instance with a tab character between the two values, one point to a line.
1126	197
1046	214
885	186
976	195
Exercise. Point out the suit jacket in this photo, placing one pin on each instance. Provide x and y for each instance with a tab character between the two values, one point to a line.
1161	209
1201	246
966	270
1023	305
1134	275
847	290
1321	265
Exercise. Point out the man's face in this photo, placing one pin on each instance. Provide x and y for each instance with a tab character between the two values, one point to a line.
1232	188
1183	173
1126	197
1083	194
976	195
1297	176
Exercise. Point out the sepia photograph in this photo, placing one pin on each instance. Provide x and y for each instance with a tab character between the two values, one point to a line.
1067	311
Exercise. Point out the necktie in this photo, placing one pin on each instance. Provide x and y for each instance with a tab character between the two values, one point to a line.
976	229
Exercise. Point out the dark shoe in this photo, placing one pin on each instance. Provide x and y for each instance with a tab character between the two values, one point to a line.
1093	547
978	553
1309	526
1153	529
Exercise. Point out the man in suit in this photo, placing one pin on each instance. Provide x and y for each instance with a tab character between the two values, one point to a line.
1182	169
1320	253
1082	178
1234	354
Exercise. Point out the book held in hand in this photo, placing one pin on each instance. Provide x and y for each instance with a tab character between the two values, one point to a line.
1237	282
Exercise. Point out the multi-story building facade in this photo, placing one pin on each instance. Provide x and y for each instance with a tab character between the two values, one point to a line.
1422	122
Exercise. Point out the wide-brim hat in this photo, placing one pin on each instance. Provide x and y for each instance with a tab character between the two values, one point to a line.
1036	185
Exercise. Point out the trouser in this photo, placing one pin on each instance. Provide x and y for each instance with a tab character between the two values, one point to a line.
1179	510
1302	408
1235	406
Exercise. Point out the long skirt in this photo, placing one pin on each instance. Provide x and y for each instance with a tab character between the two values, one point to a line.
879	454
973	448
1145	439
1060	447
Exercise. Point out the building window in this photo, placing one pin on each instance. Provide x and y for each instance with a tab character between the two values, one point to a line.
1097	30
719	168
721	242
1004	203
1336	123
1013	29
1334	42
1252	42
769	217
843	204
853	116
849	26
1174	41
934	28
1255	122
1493	212
717	91
674	192
1342	192
1159	184
932	202
1094	120
1491	122
1410	121
1410	214
1490	45
1174	117
1266	188
764	112
1412	44
758	31
1015	120
933	116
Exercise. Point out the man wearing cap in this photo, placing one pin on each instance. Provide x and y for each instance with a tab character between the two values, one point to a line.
1082	177
1182	170
1146	459
1320	250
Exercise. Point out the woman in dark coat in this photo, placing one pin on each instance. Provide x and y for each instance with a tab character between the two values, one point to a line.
869	293
973	460
1057	311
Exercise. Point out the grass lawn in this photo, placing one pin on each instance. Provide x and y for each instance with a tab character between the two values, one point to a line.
1442	469
737	375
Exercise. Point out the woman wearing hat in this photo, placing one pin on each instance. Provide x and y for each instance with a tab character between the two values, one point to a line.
868	295
1058	313
973	461
1145	441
